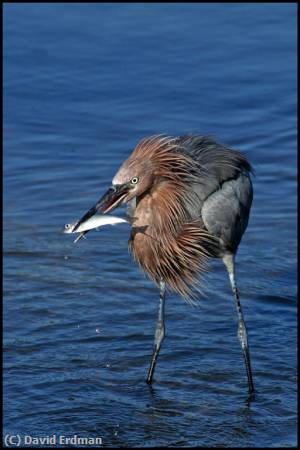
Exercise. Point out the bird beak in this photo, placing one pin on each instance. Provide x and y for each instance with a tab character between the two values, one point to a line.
109	201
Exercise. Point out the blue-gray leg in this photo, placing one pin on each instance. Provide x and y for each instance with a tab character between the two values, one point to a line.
160	330
228	260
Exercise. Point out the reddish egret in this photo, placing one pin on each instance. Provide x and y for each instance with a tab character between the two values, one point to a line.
189	199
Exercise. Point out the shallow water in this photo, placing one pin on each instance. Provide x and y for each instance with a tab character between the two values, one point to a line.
83	84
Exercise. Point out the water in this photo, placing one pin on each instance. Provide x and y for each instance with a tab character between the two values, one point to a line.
83	84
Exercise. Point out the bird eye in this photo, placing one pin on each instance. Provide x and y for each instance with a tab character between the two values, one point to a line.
67	226
134	180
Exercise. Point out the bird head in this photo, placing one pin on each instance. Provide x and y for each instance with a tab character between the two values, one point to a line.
152	160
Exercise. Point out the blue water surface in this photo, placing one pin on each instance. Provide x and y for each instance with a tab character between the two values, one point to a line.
83	83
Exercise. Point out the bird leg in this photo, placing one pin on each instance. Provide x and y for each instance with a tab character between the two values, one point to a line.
228	260
160	330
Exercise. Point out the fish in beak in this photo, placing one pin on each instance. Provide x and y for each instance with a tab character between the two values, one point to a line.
110	200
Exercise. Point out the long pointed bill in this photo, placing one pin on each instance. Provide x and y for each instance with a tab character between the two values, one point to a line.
110	200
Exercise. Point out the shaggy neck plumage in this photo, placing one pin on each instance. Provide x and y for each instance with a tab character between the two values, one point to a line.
167	243
165	240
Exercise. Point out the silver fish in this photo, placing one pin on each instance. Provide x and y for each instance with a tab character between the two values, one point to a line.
92	223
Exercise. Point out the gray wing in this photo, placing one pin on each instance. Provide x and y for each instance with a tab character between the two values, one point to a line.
225	212
222	195
216	162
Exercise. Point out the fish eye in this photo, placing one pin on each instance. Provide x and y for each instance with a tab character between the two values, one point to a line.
67	226
134	180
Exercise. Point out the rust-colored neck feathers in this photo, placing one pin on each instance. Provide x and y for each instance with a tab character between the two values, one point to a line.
165	240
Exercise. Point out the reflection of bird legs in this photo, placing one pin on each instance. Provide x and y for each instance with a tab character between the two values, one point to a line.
228	260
